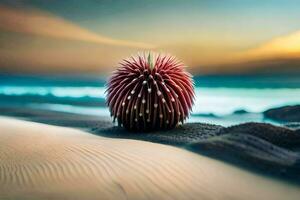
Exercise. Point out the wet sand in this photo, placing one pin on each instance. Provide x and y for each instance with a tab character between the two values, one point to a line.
41	161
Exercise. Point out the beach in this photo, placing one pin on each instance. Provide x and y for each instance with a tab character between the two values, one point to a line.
58	141
41	161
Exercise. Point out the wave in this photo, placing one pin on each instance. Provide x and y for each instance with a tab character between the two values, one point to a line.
218	101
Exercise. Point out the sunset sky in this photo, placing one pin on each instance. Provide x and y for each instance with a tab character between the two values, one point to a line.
211	37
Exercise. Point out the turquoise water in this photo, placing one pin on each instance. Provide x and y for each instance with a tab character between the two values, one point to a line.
213	104
219	101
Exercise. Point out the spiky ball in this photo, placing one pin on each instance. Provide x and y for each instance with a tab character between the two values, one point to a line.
150	91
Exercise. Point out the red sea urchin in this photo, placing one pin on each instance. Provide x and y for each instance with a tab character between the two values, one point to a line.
150	92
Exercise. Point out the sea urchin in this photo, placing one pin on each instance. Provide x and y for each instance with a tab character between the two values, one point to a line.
150	91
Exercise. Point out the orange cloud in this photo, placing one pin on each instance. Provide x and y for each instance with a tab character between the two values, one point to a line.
284	46
279	54
28	54
44	24
36	41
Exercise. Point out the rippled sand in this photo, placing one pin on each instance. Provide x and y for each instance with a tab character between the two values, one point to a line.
40	161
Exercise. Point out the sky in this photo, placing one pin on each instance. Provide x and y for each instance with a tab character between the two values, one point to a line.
209	36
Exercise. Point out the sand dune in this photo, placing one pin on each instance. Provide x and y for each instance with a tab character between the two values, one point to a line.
40	161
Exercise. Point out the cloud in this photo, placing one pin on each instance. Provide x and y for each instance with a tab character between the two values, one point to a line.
37	54
36	41
283	46
33	41
278	55
40	23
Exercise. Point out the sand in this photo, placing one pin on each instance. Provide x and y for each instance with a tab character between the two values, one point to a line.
39	161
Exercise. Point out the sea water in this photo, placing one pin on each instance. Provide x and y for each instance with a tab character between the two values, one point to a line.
217	98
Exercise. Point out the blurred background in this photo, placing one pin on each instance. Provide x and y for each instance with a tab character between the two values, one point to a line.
244	55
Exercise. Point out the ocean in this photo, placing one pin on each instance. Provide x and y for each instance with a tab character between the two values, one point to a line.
223	100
